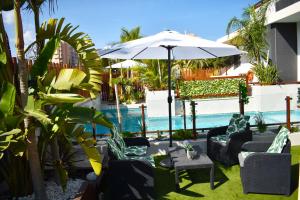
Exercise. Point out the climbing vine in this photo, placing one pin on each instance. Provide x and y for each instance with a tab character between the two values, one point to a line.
244	92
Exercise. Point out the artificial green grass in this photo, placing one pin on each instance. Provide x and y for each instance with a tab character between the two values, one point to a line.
195	183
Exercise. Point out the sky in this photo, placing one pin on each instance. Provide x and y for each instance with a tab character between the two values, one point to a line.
103	19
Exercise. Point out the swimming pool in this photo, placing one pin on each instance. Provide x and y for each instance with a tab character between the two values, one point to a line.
131	120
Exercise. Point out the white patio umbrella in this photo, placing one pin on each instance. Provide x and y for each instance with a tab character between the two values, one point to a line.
126	64
170	45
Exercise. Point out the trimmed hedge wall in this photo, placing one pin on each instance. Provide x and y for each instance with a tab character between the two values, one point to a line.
210	88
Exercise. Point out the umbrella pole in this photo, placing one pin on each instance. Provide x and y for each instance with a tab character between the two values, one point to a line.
169	94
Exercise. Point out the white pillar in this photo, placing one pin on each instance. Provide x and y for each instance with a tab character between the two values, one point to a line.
298	51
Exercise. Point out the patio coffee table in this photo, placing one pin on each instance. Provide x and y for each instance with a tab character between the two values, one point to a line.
181	162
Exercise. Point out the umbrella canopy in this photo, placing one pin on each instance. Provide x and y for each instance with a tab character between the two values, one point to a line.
126	64
184	47
170	45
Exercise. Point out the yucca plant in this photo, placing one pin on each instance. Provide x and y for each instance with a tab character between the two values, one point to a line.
266	74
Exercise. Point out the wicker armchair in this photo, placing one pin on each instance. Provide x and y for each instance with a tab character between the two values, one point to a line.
227	153
263	172
130	177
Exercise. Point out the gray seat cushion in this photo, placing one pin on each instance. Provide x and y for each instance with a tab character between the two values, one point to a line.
242	156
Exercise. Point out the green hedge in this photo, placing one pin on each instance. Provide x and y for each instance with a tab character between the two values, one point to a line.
207	88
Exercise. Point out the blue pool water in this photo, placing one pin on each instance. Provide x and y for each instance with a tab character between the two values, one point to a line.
131	119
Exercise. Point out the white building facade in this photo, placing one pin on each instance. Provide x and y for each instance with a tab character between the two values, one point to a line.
283	21
65	54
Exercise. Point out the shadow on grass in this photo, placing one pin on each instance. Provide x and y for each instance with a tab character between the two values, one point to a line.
203	176
295	178
165	180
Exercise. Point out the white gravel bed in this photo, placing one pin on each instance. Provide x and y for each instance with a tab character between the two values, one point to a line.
55	192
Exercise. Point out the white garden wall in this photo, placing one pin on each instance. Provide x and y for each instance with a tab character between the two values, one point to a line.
263	99
272	98
96	103
157	103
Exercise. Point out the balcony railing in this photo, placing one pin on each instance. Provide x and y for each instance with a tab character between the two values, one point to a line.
284	3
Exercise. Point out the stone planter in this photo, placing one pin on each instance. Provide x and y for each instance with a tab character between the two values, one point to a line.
157	103
191	154
295	138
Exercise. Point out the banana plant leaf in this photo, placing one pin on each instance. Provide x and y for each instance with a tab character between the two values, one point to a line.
86	115
3	59
68	78
13	121
63	174
40	66
6	139
91	152
7	98
18	146
61	98
33	109
44	83
82	44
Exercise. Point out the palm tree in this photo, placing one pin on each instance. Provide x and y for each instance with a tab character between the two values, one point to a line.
155	75
33	155
6	73
35	6
251	31
128	35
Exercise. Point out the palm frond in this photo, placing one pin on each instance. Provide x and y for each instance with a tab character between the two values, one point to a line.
82	44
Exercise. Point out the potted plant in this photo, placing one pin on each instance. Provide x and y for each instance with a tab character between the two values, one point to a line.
190	152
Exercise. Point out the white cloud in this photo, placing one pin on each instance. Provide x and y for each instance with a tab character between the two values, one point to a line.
8	17
29	37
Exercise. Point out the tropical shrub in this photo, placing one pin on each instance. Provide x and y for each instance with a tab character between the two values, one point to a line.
155	75
127	134
295	129
209	63
15	171
129	93
209	88
14	166
183	135
244	93
260	122
50	104
266	74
